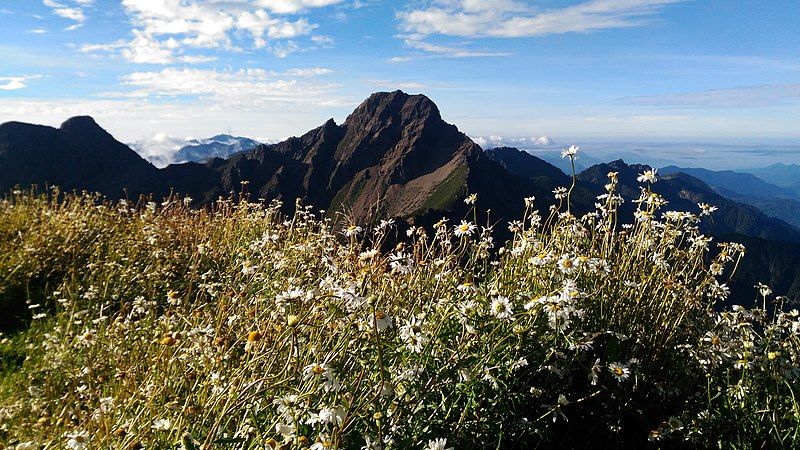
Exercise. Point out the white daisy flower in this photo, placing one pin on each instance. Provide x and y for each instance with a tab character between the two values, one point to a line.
620	371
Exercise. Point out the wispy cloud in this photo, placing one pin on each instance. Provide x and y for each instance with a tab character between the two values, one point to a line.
509	19
516	19
245	88
404	85
735	97
70	9
449	51
294	6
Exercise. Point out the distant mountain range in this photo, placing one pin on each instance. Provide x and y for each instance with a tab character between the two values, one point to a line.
785	175
781	202
162	150
219	146
393	156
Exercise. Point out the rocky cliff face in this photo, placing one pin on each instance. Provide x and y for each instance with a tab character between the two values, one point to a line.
393	156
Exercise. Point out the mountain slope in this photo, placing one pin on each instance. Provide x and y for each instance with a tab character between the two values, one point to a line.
78	155
684	192
785	209
735	184
775	201
393	156
785	175
522	163
776	264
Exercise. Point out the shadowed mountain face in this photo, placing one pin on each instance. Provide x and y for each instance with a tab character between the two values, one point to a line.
78	155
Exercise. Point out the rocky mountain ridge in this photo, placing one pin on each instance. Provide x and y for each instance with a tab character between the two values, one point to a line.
393	157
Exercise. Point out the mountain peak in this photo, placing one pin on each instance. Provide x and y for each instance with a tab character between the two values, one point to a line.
382	106
80	125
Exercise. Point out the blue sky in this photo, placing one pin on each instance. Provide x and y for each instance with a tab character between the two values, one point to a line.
654	70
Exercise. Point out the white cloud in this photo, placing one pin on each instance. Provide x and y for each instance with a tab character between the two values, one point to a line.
284	49
494	141
71	11
308	72
323	41
293	6
260	24
14	83
164	30
159	149
513	19
736	97
146	50
110	47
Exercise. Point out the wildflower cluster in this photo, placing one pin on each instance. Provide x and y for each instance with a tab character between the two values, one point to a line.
157	326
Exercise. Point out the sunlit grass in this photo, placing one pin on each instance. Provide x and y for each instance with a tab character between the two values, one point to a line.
159	326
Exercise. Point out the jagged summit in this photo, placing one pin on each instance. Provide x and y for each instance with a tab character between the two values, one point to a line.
397	104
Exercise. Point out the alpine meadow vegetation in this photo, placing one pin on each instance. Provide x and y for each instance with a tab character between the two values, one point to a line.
237	326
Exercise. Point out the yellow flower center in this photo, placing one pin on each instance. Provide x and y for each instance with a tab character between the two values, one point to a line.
253	336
